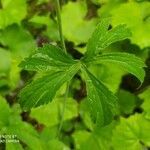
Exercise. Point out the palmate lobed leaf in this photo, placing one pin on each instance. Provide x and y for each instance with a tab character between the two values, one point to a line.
43	90
102	37
102	102
132	133
129	62
47	58
99	139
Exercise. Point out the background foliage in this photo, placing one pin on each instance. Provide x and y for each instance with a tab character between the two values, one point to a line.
27	24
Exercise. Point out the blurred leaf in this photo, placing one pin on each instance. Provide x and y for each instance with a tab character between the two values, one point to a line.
43	1
136	17
104	135
107	6
102	102
99	1
80	29
13	11
81	138
13	146
132	133
146	104
57	145
98	140
21	45
51	26
85	115
127	101
9	71
48	133
50	114
48	137
14	74
11	124
4	112
18	44
5	61
26	134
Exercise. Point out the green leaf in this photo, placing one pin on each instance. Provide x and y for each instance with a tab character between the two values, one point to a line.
107	6
5	112
102	102
136	17
22	45
5	61
25	133
85	115
80	29
146	104
102	37
48	137
47	58
132	133
111	78
9	71
11	124
16	48
43	1
96	140
84	140
127	101
57	145
13	146
13	11
43	90
54	109
52	28
129	62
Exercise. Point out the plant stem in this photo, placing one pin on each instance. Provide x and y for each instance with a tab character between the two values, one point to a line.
63	111
64	48
60	25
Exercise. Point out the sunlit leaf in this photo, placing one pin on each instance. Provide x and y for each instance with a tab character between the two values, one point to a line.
13	11
132	133
53	110
146	104
80	29
21	45
135	16
97	140
5	112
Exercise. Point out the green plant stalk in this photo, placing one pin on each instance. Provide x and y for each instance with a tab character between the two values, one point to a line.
60	25
63	110
64	48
